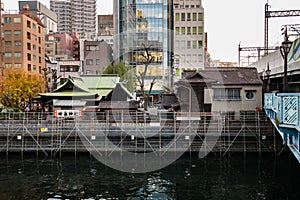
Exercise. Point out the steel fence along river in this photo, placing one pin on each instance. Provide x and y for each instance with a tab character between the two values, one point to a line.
136	132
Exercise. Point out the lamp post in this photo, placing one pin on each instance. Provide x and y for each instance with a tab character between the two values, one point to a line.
284	50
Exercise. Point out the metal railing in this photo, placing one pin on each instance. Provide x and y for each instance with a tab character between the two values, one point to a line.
135	132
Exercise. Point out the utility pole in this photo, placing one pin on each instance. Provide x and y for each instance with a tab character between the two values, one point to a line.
269	14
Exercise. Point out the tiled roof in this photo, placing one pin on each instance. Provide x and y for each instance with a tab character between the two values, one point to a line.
229	75
86	85
100	81
72	103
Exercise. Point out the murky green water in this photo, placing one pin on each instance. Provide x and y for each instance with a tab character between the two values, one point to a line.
83	177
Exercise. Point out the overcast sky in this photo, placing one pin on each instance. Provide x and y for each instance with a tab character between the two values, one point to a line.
228	23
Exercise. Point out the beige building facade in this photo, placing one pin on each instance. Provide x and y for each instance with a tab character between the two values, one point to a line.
189	37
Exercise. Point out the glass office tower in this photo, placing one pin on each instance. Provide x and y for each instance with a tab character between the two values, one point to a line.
140	24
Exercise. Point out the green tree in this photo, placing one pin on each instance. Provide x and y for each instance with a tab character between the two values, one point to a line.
125	73
19	88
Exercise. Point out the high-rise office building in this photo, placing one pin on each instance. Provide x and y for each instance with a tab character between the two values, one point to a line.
76	16
189	36
144	23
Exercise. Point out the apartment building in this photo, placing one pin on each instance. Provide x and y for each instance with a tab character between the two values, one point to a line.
24	45
48	18
97	56
76	16
63	46
189	36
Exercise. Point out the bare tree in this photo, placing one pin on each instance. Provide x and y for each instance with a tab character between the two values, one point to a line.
147	60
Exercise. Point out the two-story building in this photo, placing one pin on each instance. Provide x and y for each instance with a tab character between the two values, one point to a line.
220	90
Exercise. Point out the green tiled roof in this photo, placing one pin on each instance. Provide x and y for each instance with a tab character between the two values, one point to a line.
86	85
67	94
100	81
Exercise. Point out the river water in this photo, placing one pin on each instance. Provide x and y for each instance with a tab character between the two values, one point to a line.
83	177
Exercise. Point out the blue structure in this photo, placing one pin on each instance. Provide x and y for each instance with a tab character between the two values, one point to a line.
283	110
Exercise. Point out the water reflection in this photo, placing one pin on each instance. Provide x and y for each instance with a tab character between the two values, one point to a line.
83	177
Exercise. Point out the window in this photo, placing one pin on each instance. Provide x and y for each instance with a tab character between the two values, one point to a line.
200	44
188	44
7	65
33	25
200	30
17	32
7	33
182	30
194	16
200	58
227	94
18	65
92	48
7	55
194	44
17	20
7	19
18	54
28	24
194	58
97	61
62	69
89	62
189	30
29	56
28	36
34	57
182	16
7	43
39	40
17	43
177	16
188	16
200	17
28	46
34	67
33	47
177	30
29	67
40	50
39	28
250	94
194	30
